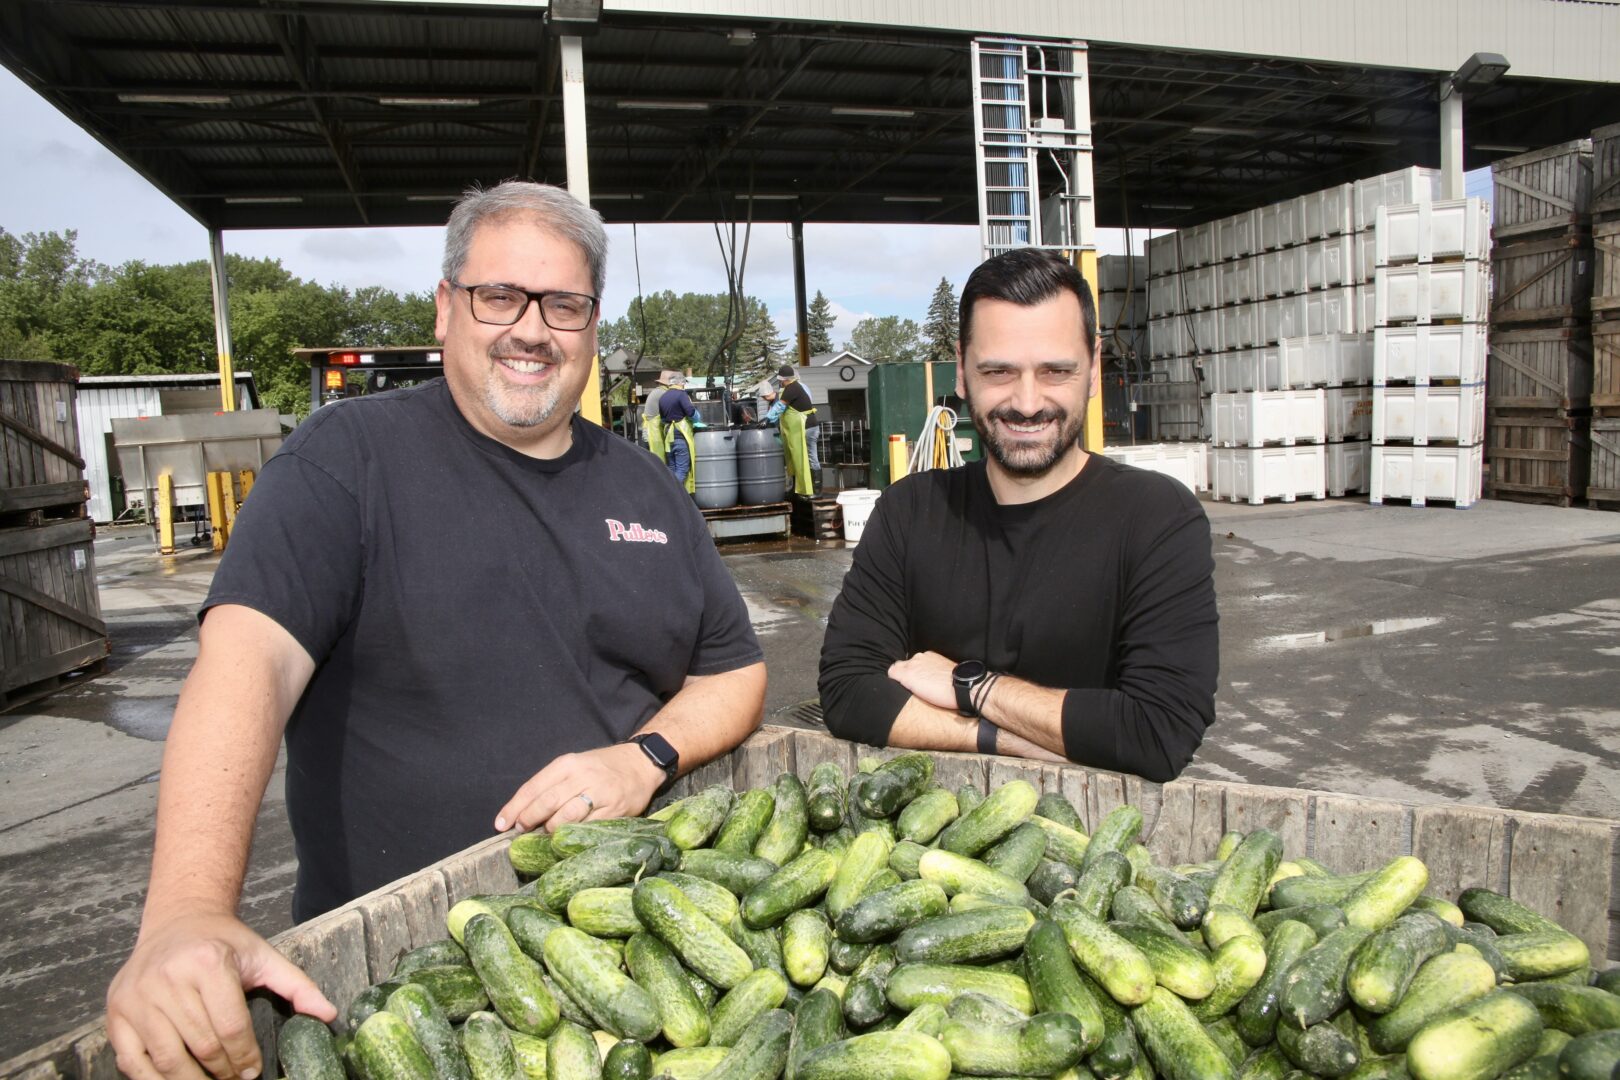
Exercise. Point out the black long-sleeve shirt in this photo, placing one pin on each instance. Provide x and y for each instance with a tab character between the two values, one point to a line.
1104	589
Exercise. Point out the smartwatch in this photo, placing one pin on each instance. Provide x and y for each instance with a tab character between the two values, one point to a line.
660	753
964	678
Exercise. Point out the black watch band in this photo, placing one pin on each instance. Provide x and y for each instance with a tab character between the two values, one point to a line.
987	736
965	679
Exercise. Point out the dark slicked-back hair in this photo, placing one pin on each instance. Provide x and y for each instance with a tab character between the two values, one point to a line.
1026	277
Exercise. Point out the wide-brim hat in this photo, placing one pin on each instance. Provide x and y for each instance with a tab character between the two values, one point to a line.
786	371
666	376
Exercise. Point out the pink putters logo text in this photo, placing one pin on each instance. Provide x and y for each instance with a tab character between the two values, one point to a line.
617	530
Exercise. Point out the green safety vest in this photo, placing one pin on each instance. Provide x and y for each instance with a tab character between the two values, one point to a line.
655	437
683	430
795	450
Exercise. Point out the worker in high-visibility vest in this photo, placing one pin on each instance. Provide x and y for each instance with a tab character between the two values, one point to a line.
651	420
676	410
800	430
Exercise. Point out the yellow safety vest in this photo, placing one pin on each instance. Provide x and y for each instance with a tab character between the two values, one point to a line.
683	430
795	450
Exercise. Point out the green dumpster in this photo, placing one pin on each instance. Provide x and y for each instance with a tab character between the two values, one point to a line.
897	403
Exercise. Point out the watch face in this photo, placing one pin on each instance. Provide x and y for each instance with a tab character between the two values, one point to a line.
968	671
658	749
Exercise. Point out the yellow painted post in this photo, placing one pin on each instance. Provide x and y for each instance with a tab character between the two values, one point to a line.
216	508
1093	438
899	458
590	403
245	482
228	501
165	514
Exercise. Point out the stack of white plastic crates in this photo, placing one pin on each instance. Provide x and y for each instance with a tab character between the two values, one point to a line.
1432	290
1122	325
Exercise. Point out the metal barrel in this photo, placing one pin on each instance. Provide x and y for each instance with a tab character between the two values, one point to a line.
716	469
761	472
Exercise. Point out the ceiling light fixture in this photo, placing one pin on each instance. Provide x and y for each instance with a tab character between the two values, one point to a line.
861	110
670	106
262	200
1166	206
175	99
431	198
1500	148
1369	140
574	18
741	38
606	197
766	198
431	102
1215	129
1479	72
913	198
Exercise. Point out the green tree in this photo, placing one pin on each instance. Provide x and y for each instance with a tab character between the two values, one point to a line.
688	330
939	330
820	325
886	340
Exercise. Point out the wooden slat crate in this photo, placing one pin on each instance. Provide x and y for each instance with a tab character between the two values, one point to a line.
1603	485
1606	267
1536	455
1564	867
1542	191
1606	367
40	466
1606	172
50	611
1539	368
818	517
1540	280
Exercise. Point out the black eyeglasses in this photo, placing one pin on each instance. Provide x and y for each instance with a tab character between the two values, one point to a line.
504	305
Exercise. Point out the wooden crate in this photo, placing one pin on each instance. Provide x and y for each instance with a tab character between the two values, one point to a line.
50	612
1603	483
817	517
1606	367
1536	455
1542	280
1606	267
1606	172
40	466
1539	368
1562	866
1542	191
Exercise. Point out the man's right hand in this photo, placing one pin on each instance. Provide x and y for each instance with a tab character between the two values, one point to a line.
180	999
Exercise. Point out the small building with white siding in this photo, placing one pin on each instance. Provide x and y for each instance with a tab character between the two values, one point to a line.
103	398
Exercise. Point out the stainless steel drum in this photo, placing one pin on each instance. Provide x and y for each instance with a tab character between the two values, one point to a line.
761	472
716	469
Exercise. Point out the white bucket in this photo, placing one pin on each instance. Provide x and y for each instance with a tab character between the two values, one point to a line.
857	506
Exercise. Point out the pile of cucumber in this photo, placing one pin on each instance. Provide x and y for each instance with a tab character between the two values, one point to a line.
890	929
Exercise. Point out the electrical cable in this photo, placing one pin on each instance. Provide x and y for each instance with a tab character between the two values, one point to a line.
935	447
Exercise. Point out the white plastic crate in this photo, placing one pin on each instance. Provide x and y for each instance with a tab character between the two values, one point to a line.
1348	412
1282	273
1402	187
1329	212
1422	415
1348	464
1426	293
1164	296
1246	369
1422	354
1339	260
1424	473
1167	337
1282	224
1283	317
1179	422
1255	474
1204	330
1263	418
1200	288
1121	273
1235	235
1187	462
1240	326
1240	280
1332	311
1162	254
1198	246
1424	232
1126	310
1327	360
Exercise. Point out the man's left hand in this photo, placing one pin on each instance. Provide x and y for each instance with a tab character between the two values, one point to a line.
928	676
615	781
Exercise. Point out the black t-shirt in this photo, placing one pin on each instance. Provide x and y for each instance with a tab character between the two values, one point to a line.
795	396
1104	589
676	405
473	613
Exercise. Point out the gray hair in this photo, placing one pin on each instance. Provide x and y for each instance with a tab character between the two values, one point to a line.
557	210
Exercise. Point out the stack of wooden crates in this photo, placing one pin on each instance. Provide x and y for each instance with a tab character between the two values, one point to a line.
1539	372
1603	491
50	613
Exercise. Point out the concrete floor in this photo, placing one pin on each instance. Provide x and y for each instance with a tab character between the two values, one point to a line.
1426	655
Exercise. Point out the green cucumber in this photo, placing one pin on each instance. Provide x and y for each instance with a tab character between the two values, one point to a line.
1384	966
531	854
957	873
1044	1044
1064	844
1119	966
529	926
1448	981
1266	1063
965	938
713	899
1239	963
1321	1049
572	1054
1118	1054
627	1060
1380	899
1017	853
1394	1068
1540	954
1177	966
761	1051
1257	1013
485	1045
498	906
1574	1010
894	784
1312	889
736	873
1591	1057
1055	983
1482	940
427	1021
1118	831
1225	1036
746	822
967	797
1242	879
1103	876
433	954
1503	915
613	863
1054	807
1176	1042
1478	1041
512	979
825	798
1006	808
764	947
1222	923
655	968
689	1063
1227	844
307	1051
578	836
1131	904
604	912
386	1050
924	817
1608	980
1443	910
796	885
617	1004
888	912
790	822
806	937
845	956
819	1021
912	985
1313	989
927	1019
868	853
865	1000
744	1003
898	1055
371	1000
1322	918
699	817
1050	879
1184	900
905	856
457	988
699	942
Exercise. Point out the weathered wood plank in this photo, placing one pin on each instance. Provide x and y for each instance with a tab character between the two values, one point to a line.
767	754
1107	794
954	770
332	952
460	879
1002	770
94	1058
1170	840
811	748
388	933
1561	867
1284	811
267	1023
722	771
1147	797
1461	846
1209	820
1353	834
424	902
493	867
1074	784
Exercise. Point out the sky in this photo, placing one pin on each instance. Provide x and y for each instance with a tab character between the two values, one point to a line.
59	178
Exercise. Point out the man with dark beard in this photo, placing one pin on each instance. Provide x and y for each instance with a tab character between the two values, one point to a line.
1044	602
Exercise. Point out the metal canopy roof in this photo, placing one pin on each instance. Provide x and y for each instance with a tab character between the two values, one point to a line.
301	113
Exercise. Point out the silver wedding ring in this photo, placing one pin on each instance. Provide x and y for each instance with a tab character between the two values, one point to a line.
590	804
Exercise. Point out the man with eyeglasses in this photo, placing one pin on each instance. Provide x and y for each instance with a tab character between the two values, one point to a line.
468	609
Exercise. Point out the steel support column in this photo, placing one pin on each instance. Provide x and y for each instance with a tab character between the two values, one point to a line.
222	320
1451	142
579	182
801	313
